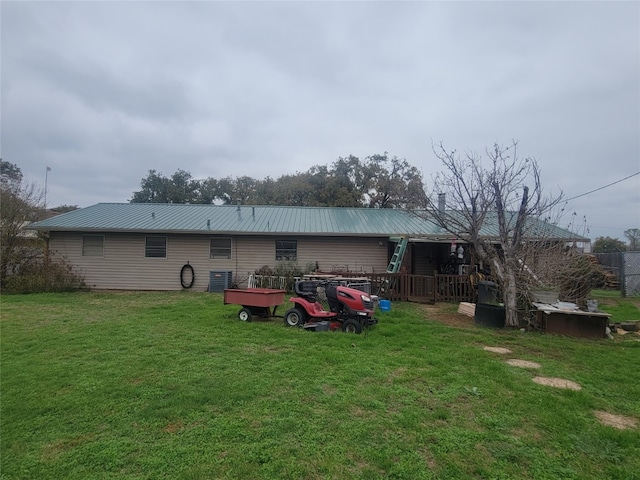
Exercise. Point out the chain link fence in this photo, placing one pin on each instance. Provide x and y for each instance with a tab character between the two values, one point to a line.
626	266
631	280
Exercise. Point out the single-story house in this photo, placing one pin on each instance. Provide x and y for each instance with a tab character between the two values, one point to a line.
142	246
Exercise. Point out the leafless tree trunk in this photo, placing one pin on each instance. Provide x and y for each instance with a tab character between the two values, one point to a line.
496	204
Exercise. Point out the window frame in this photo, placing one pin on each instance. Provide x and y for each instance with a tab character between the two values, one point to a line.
86	249
212	256
149	248
285	252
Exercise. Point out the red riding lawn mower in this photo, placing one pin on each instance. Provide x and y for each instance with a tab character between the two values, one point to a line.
349	309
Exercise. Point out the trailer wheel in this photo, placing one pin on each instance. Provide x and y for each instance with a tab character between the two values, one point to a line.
245	315
294	318
351	326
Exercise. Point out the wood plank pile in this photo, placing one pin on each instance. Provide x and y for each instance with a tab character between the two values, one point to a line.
610	279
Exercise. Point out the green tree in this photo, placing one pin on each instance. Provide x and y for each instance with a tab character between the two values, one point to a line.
154	189
633	235
294	190
183	188
608	245
64	208
332	186
10	174
209	190
393	183
376	182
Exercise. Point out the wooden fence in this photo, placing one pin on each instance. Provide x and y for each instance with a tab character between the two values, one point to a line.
422	288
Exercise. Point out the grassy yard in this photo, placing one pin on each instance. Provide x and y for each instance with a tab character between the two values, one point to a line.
172	385
621	309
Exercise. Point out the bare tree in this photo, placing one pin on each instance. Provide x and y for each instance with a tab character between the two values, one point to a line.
20	204
493	204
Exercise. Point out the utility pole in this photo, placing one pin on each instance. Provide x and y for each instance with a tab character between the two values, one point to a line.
46	177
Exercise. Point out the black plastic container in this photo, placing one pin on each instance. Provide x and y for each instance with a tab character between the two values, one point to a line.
489	315
488	293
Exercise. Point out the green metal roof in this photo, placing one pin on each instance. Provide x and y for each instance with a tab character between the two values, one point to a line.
232	219
247	220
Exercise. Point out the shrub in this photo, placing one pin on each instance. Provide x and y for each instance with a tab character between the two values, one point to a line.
43	275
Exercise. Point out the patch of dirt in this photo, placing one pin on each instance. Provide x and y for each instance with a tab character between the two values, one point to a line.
53	450
557	383
174	427
522	363
452	319
329	389
616	421
397	373
500	350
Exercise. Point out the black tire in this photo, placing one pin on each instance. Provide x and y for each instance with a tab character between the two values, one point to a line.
245	315
294	318
351	326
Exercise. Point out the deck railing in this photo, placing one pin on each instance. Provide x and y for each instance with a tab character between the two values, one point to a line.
422	288
396	286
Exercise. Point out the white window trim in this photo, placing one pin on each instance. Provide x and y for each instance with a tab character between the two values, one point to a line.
84	236
166	247
230	257
286	259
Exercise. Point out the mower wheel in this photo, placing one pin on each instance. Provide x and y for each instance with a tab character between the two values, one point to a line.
351	326
294	318
245	315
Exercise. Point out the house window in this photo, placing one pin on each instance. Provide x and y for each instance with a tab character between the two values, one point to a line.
155	246
93	245
287	250
220	248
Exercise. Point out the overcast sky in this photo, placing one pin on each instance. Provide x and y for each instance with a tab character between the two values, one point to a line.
102	92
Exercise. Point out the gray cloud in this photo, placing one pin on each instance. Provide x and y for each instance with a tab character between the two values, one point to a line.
104	91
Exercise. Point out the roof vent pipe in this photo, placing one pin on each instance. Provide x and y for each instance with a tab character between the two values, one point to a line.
253	212
442	201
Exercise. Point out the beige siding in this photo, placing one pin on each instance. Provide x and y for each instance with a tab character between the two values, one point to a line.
356	254
125	267
425	259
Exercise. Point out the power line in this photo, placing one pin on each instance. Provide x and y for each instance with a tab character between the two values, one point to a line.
600	188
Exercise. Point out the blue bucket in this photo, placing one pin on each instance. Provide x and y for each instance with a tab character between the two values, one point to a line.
385	305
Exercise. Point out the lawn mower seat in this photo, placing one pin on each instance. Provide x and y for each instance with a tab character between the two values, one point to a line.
332	298
307	289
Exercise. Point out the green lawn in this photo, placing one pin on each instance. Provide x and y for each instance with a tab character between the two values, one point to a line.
621	309
172	385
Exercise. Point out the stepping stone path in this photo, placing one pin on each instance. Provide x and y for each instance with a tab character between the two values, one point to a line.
500	350
557	382
522	363
616	421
